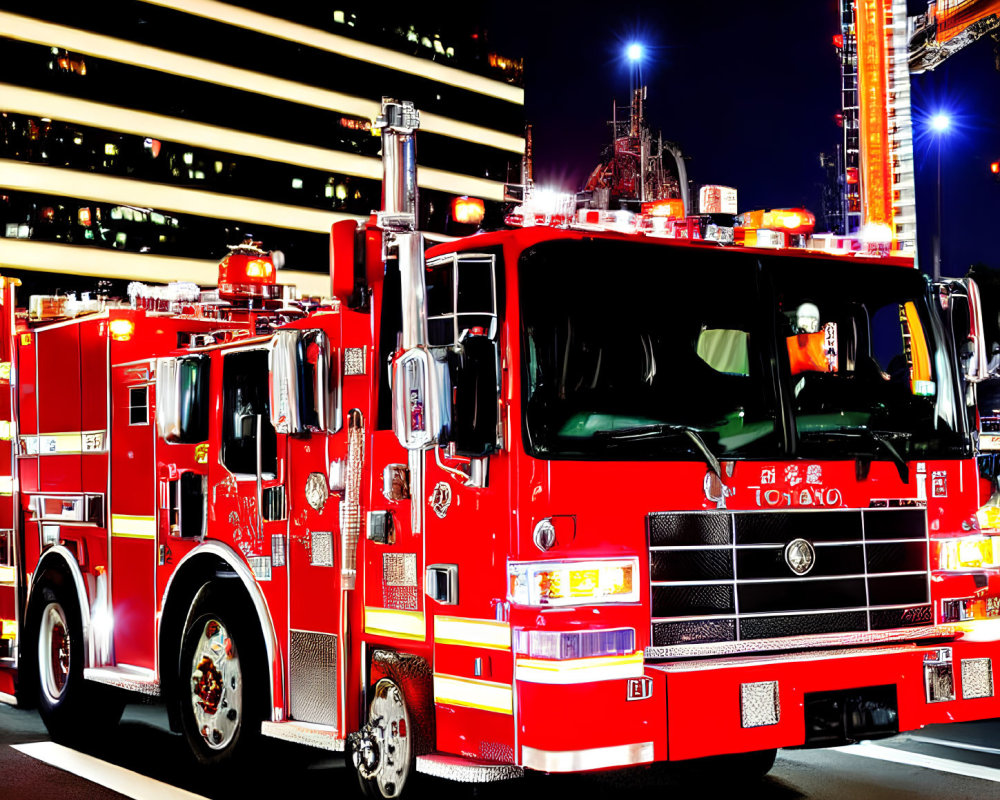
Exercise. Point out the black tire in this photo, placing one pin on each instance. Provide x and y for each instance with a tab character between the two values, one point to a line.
389	720
221	691
72	708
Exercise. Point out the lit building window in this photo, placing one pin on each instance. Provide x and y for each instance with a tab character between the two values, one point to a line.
338	16
189	158
110	149
218	166
296	183
341	191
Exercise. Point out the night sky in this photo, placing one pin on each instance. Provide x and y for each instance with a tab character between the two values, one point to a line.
749	91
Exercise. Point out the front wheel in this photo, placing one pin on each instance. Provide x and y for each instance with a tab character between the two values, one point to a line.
218	683
70	706
383	752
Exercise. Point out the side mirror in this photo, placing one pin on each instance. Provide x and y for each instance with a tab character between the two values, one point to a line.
417	418
168	424
475	412
305	382
959	299
182	398
283	386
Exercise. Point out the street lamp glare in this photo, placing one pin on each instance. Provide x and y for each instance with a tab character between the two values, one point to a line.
940	122
634	52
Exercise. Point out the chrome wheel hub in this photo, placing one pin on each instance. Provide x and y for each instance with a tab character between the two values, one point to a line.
53	651
389	727
216	686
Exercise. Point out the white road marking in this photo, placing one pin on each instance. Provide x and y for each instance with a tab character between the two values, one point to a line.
118	779
977	748
868	750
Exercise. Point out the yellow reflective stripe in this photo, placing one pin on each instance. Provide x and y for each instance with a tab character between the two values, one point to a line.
473	632
133	527
6	485
8	630
6	574
392	622
469	693
579	670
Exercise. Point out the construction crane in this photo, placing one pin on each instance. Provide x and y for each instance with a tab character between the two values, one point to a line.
949	26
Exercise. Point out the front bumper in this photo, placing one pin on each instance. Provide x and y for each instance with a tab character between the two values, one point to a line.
681	710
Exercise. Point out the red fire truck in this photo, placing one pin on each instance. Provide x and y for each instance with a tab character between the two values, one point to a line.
557	498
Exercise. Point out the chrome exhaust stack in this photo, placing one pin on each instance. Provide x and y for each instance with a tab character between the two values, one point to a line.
398	123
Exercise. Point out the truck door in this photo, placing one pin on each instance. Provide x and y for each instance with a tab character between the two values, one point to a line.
318	573
252	474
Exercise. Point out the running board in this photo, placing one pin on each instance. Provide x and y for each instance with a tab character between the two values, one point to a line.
131	679
465	770
322	736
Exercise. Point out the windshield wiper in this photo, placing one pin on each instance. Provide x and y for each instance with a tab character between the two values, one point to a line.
902	466
659	430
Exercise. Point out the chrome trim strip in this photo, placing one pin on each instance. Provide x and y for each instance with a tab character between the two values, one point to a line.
771	546
791	579
799	642
464	770
745	615
322	736
621	755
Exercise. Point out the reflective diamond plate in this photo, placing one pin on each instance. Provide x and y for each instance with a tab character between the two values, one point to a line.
322	549
977	678
759	704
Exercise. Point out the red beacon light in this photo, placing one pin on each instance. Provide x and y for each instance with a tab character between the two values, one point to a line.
248	273
247	264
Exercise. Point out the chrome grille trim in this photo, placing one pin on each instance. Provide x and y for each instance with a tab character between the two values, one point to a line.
873	571
749	614
803	579
800	642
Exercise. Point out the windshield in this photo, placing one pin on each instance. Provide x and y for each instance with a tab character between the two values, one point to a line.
868	368
629	346
635	351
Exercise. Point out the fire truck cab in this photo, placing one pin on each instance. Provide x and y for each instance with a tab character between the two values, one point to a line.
557	498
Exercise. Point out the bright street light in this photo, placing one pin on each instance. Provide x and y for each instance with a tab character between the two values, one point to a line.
634	52
940	123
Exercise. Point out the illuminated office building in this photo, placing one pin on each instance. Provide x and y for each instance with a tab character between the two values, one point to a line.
138	139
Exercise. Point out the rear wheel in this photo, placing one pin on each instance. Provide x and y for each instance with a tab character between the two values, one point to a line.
70	706
219	683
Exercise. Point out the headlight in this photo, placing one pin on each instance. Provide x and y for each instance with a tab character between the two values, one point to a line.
567	583
969	552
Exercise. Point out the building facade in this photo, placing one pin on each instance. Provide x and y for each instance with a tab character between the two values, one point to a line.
138	139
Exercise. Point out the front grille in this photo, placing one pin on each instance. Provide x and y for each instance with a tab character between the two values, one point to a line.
724	577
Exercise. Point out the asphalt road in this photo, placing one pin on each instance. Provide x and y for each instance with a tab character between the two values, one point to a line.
145	761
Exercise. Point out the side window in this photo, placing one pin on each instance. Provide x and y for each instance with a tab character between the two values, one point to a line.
244	399
138	405
455	307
